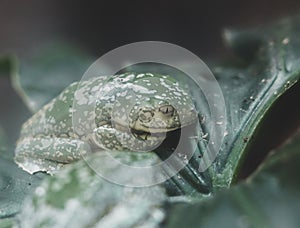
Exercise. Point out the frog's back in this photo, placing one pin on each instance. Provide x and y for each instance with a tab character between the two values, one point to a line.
55	118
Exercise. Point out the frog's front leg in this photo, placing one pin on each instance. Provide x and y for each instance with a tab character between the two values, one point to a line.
110	138
48	154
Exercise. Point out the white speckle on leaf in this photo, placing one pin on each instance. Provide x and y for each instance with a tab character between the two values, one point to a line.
285	41
40	191
140	75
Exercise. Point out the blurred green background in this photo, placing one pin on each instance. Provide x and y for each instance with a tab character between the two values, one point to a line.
103	25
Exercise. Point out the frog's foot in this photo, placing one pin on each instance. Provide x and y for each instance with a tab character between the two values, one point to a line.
110	138
47	154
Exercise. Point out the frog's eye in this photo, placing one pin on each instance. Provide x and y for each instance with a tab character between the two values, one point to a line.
146	115
167	110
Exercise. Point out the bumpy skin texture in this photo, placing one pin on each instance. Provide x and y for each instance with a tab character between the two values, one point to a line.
121	112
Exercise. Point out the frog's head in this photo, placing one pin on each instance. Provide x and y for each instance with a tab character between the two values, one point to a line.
152	103
159	116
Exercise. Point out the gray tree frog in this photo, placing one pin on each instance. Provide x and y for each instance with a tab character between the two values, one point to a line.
131	111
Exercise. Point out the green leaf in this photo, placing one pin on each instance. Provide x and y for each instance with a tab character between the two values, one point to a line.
270	198
45	73
78	196
3	145
250	92
5	65
13	111
270	67
15	184
6	223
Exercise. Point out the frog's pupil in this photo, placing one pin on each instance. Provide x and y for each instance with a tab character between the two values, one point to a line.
167	109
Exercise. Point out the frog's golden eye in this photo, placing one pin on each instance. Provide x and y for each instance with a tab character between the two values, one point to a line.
167	110
145	116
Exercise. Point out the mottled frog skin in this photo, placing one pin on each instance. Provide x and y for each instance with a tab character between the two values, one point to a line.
122	112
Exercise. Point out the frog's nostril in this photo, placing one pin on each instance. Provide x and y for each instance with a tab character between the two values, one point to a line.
167	110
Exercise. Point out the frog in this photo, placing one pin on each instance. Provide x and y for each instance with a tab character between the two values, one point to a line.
129	111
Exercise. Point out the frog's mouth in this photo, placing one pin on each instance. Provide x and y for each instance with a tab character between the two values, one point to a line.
138	128
147	135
